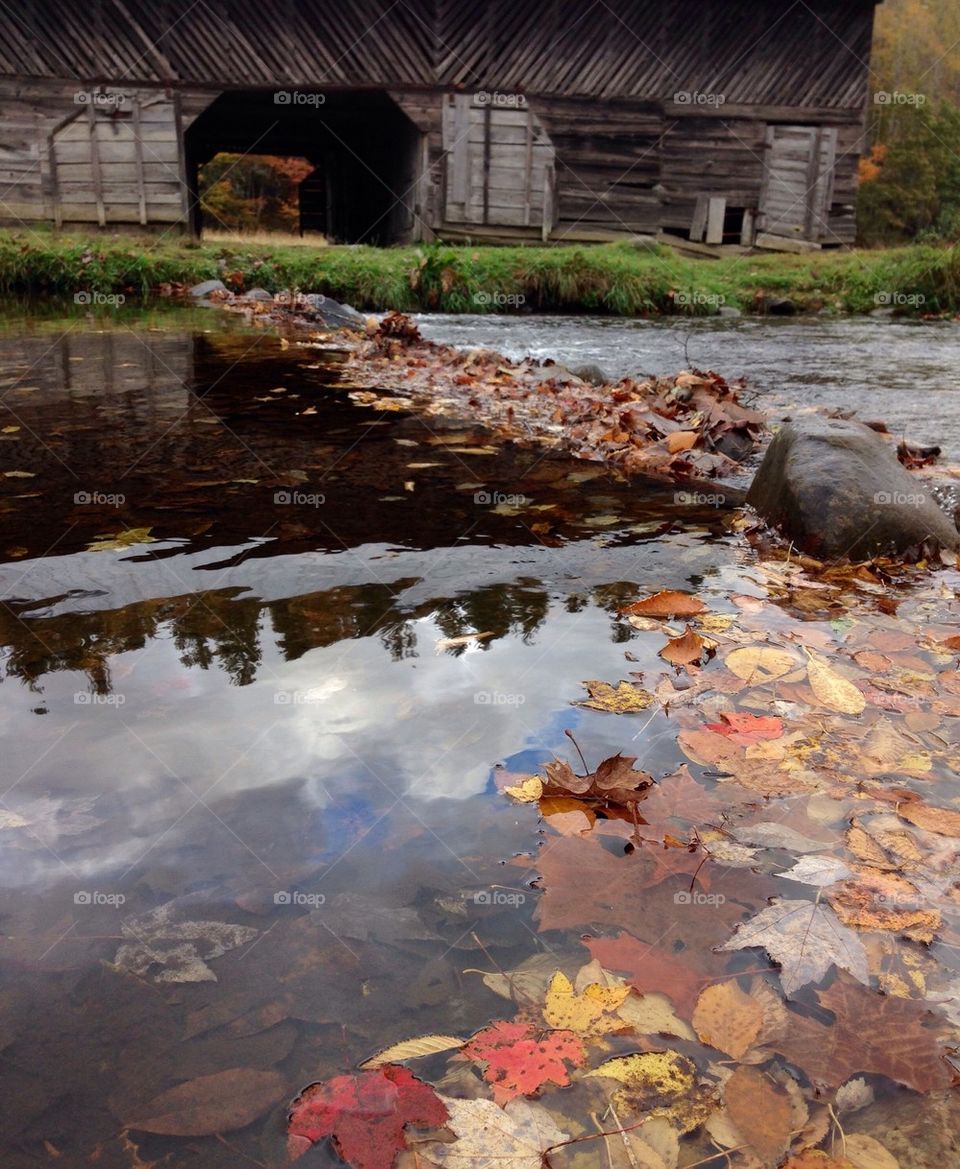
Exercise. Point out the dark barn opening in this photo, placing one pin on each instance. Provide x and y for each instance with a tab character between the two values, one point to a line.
365	150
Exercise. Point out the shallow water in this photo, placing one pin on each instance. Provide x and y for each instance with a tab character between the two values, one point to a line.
250	815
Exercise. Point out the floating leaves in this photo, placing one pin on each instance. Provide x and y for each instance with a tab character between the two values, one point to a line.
622	699
759	663
519	1061
513	1137
685	650
593	1011
805	939
831	689
120	541
667	604
365	1114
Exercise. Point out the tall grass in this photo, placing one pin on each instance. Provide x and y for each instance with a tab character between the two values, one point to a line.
615	279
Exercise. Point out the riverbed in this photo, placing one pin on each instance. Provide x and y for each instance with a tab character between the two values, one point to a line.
251	813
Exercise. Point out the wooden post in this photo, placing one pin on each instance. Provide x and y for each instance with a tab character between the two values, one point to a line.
95	164
138	149
746	230
699	224
528	173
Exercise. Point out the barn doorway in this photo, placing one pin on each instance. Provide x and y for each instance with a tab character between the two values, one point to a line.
798	181
365	154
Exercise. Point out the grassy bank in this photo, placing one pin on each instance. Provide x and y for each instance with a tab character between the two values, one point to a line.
617	279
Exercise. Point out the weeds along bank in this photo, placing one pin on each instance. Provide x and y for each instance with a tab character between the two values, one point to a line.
616	279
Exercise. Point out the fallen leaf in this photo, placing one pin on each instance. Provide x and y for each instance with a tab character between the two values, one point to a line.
667	604
222	1102
943	821
865	1152
759	663
594	1011
831	689
519	1062
413	1049
746	728
875	900
622	700
681	440
122	540
615	781
649	969
870	1033
818	871
660	1083
805	939
761	1112
365	1114
728	1019
445	643
684	650
514	1137
527	792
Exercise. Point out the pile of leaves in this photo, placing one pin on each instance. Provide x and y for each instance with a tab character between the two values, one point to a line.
769	928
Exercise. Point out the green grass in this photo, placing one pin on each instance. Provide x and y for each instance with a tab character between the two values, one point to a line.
616	279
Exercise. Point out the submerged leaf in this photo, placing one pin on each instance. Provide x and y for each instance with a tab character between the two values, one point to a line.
622	700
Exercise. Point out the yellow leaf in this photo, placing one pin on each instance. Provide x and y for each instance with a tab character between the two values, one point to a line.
593	1011
652	1014
121	540
413	1049
759	663
832	690
625	698
527	792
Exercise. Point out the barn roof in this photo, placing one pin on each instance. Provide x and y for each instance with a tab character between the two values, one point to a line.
801	52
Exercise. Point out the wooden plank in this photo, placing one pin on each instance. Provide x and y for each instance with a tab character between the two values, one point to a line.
746	229
699	223
716	211
779	243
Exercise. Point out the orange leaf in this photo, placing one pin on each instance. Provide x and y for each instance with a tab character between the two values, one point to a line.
682	651
747	728
667	604
681	440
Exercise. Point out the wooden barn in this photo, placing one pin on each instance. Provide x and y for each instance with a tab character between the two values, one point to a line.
733	122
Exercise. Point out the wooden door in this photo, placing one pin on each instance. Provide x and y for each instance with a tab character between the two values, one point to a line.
500	164
798	181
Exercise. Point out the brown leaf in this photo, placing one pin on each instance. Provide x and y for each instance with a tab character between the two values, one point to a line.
761	1111
681	440
728	1019
669	603
887	1036
222	1102
944	821
684	650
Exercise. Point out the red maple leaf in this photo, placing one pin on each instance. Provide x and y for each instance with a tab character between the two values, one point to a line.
746	728
365	1115
518	1064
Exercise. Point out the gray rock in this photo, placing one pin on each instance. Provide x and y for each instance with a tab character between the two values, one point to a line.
592	374
208	286
258	294
729	310
330	312
837	489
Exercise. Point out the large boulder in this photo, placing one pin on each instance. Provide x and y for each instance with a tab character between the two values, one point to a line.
837	489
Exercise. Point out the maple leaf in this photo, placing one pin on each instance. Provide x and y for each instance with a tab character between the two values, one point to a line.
622	699
614	780
746	728
805	939
652	970
680	797
892	1037
518	1064
593	1011
365	1115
